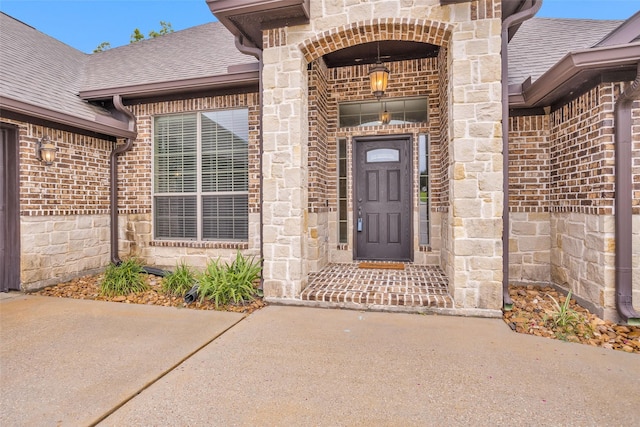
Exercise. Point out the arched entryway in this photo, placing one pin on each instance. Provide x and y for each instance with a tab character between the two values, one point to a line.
345	115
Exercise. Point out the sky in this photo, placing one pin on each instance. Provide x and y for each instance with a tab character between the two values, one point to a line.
84	24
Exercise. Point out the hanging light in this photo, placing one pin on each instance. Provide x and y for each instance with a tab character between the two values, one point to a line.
46	151
379	77
385	117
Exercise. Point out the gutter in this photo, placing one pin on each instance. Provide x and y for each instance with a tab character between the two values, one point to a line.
257	53
238	76
623	204
100	124
512	20
541	92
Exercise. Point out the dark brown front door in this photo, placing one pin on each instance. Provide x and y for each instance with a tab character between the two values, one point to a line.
9	210
383	199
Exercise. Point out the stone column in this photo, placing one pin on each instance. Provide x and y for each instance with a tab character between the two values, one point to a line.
285	136
476	165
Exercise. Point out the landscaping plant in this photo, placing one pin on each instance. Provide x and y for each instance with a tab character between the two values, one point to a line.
179	281
123	279
230	283
565	320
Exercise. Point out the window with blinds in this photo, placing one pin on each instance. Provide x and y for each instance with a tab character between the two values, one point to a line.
201	176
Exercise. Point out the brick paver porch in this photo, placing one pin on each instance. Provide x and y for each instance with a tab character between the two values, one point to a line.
416	286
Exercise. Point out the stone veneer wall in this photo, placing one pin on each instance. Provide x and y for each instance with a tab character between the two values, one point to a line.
135	196
529	233
472	40
582	197
64	208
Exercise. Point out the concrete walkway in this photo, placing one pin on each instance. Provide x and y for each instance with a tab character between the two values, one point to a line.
285	366
70	362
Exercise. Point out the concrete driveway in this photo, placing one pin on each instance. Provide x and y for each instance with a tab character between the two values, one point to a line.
284	366
71	362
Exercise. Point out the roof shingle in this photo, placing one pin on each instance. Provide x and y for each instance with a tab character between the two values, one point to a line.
541	42
203	51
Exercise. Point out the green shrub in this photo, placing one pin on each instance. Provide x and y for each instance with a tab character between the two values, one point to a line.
230	283
179	281
123	279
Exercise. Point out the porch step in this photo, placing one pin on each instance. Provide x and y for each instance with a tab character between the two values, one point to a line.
414	286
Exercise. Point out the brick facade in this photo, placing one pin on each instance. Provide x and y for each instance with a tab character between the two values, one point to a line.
135	168
582	153
330	87
562	188
64	207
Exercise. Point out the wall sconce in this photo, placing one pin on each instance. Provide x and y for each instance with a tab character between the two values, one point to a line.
385	117
379	77
46	151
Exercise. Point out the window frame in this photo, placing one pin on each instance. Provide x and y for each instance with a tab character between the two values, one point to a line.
199	194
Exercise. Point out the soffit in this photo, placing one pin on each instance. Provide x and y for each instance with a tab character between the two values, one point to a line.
247	18
390	50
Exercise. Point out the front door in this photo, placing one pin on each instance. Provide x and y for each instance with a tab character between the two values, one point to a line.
383	199
9	210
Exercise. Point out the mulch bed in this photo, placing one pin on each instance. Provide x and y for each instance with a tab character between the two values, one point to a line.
533	306
88	287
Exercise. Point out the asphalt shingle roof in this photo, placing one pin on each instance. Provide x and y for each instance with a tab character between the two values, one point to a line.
541	42
202	51
40	70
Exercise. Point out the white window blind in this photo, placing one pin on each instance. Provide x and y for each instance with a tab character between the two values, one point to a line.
201	176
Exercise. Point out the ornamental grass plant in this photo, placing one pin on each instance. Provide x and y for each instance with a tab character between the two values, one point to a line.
225	283
123	279
179	281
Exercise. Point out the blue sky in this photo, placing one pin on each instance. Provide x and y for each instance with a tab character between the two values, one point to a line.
84	24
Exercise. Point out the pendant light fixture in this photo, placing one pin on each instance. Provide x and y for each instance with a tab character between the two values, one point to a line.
378	77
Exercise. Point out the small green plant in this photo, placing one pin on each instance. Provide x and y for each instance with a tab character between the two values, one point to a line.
564	320
179	281
123	279
230	283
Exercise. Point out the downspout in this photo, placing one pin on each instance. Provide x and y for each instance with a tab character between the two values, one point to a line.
623	203
512	20
257	53
113	202
117	102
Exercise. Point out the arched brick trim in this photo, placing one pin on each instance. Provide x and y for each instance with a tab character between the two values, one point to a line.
416	30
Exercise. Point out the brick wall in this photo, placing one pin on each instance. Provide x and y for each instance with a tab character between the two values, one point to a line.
135	170
636	205
134	167
582	153
330	87
64	207
78	181
440	150
482	9
529	164
529	228
582	195
635	171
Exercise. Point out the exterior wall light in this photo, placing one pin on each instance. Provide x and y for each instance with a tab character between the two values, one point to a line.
379	77
46	151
